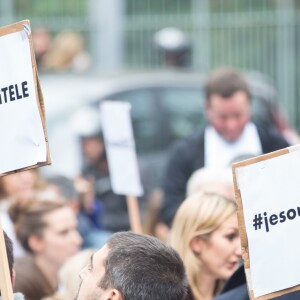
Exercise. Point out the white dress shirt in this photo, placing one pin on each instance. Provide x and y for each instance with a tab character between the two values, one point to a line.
221	153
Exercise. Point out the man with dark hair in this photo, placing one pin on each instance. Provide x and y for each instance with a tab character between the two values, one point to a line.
225	82
133	267
10	258
229	134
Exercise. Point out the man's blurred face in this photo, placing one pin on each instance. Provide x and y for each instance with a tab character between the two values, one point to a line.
93	149
229	116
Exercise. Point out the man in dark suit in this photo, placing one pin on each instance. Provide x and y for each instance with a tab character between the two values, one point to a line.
229	134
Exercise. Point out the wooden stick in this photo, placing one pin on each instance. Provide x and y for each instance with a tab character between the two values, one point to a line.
5	280
134	214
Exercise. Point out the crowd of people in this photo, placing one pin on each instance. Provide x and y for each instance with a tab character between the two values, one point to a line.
64	51
57	225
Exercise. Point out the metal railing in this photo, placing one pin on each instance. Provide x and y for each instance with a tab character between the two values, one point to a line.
257	35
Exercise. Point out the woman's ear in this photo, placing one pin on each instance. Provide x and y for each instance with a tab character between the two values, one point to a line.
196	244
36	243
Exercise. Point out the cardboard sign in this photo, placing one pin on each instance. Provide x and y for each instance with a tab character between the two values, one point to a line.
120	148
23	134
268	196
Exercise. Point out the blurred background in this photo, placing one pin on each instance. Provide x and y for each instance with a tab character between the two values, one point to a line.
259	34
88	50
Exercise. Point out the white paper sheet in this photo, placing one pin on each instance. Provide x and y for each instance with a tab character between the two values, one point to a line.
21	131
271	187
120	148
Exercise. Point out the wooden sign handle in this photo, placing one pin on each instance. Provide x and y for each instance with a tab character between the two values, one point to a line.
134	214
5	280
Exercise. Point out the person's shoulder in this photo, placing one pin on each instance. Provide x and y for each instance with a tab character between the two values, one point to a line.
270	131
291	296
238	293
241	293
270	138
235	288
193	139
18	296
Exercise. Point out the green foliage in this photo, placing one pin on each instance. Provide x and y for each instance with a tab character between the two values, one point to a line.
149	7
40	8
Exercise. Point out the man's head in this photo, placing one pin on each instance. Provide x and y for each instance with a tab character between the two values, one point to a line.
131	267
228	103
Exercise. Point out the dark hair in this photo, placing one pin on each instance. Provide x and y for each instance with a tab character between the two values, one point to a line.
10	253
225	82
142	267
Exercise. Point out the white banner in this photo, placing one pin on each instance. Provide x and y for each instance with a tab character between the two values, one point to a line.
270	194
21	131
120	148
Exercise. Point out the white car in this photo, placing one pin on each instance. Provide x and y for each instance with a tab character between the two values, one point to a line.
165	107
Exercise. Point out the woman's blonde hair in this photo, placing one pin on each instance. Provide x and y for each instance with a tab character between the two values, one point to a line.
198	216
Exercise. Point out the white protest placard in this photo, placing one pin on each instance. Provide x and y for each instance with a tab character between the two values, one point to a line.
120	148
121	155
267	190
23	136
22	126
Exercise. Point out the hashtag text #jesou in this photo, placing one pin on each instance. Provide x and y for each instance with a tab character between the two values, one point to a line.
274	219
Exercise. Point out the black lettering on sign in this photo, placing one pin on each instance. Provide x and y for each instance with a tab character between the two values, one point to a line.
283	216
19	96
11	93
3	90
14	92
25	89
273	219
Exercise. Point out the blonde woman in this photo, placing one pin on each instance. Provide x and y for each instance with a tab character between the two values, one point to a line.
205	234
